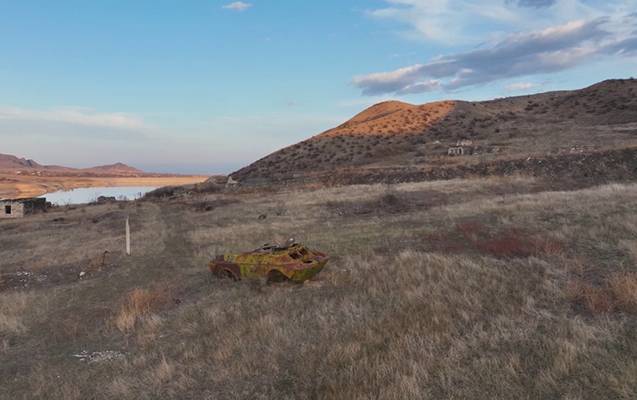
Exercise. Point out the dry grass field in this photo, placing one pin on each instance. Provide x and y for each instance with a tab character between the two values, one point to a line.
494	288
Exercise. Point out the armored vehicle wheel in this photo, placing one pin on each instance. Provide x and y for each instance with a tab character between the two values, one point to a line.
224	273
275	276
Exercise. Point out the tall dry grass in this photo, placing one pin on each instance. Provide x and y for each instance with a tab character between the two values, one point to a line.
487	311
13	306
139	304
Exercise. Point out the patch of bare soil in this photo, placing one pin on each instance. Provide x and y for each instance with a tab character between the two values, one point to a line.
57	275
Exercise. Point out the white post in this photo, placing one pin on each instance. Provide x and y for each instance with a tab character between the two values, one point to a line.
127	237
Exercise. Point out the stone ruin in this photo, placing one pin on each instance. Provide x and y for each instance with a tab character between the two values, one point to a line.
18	208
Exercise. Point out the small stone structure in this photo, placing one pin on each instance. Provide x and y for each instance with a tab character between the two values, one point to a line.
18	208
456	151
106	199
231	181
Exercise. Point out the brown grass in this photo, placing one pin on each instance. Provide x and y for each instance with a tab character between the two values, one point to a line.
596	300
12	307
618	294
140	303
624	289
393	316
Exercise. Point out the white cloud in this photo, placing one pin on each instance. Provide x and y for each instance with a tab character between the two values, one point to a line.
457	21
533	3
237	6
83	137
552	49
75	116
521	86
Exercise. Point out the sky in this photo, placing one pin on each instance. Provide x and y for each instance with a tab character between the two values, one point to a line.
208	86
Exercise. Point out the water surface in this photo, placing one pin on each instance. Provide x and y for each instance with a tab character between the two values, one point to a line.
88	195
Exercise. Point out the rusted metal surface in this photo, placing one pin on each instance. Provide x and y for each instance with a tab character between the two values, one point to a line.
293	262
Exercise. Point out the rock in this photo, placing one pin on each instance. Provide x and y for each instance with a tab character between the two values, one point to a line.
99	356
82	274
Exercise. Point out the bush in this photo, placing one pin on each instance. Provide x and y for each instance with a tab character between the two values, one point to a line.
140	303
618	294
624	289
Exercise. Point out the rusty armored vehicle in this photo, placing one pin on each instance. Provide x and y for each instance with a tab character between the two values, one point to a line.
292	261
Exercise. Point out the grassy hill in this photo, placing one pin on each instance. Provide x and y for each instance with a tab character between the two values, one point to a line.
392	138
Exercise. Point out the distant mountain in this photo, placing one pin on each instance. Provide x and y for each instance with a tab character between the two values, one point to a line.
421	139
118	168
10	163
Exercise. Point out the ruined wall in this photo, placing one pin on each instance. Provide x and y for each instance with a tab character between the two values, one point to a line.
11	209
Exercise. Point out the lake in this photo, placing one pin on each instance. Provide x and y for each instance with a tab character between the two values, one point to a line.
88	195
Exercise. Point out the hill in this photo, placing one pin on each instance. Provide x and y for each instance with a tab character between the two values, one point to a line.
21	177
117	168
391	140
10	163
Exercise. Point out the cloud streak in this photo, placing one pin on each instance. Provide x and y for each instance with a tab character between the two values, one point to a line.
75	116
521	86
535	3
466	21
522	54
237	6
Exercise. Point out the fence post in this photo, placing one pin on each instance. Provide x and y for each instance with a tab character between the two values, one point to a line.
127	237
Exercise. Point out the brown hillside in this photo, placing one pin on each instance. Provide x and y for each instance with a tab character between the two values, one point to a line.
393	117
13	164
117	169
8	161
21	177
395	135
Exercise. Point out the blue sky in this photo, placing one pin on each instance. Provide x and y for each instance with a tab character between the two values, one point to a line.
207	86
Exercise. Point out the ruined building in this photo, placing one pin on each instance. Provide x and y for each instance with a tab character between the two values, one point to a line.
18	208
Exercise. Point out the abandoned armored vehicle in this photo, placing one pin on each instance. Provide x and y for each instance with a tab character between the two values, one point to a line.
292	261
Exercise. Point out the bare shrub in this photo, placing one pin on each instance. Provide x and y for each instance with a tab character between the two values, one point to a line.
595	300
619	293
163	372
624	289
506	243
509	244
140	303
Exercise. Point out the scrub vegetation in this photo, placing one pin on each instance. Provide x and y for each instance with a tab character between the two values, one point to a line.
495	288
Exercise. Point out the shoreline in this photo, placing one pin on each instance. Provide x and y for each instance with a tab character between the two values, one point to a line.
12	186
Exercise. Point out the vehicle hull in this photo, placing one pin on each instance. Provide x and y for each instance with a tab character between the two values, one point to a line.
258	264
